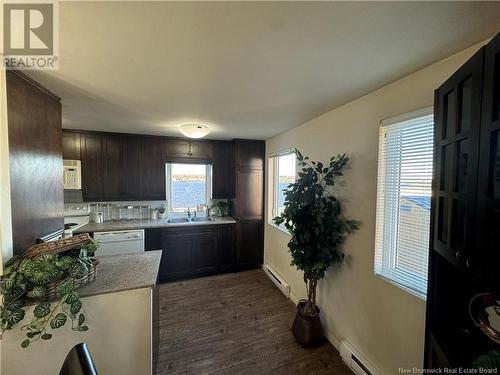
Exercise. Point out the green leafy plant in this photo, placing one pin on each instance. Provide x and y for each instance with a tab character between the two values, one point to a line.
221	207
26	279
313	216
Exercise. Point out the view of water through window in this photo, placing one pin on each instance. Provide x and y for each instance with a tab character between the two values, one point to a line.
189	186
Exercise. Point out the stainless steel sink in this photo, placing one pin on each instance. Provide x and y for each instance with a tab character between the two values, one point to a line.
178	220
201	219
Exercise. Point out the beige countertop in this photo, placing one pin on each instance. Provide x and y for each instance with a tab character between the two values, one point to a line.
118	273
145	224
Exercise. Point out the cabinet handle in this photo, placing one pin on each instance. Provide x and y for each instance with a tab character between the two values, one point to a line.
468	262
458	256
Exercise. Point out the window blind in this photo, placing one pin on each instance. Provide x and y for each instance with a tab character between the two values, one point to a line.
404	200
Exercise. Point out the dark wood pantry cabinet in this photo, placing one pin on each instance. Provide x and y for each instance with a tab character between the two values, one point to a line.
465	223
249	210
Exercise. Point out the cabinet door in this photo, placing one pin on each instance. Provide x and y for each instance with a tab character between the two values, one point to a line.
457	120
250	154
249	234
178	148
132	168
223	170
112	175
250	192
153	172
488	223
204	257
249	237
71	145
200	150
176	259
226	247
92	166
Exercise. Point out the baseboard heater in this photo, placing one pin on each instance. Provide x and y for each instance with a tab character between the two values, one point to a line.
356	362
277	280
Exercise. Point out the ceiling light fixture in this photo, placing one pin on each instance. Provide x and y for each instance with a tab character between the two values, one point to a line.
194	130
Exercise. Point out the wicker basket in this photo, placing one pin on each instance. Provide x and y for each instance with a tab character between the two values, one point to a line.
56	247
59	246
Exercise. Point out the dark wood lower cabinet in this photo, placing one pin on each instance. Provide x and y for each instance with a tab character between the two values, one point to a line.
249	237
194	251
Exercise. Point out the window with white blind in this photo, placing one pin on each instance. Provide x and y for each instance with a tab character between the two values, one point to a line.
404	200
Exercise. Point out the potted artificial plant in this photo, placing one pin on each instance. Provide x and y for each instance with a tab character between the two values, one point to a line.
313	217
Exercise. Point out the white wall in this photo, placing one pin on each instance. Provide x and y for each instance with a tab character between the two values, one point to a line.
385	323
119	338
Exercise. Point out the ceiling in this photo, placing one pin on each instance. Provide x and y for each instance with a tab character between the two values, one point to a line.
245	69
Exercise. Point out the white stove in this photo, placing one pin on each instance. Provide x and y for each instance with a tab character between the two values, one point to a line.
76	215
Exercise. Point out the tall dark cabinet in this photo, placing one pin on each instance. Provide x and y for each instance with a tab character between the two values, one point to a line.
465	221
249	210
35	160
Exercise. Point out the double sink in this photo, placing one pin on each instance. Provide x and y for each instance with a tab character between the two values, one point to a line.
179	220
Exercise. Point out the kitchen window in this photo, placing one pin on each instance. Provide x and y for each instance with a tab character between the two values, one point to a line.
188	186
283	169
404	200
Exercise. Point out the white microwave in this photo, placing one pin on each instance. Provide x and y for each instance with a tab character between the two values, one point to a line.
72	174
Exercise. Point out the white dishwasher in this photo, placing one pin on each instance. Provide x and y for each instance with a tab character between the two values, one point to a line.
120	242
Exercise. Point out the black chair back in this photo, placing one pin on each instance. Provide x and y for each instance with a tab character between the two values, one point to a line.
78	362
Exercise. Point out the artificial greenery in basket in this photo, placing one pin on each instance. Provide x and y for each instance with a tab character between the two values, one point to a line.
313	216
26	279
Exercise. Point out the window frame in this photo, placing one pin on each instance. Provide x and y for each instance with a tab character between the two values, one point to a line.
384	262
169	190
274	190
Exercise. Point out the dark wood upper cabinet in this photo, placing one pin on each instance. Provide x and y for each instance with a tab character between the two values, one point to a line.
122	167
132	168
92	166
71	145
200	150
223	170
250	154
112	175
35	160
457	120
154	151
178	148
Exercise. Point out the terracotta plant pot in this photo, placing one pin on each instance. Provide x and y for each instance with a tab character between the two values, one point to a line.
307	330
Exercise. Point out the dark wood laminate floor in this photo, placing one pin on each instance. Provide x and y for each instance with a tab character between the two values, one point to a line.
236	323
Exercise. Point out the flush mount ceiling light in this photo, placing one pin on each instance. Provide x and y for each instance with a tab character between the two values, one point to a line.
194	130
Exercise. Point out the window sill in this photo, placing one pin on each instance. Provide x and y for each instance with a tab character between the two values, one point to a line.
279	227
401	286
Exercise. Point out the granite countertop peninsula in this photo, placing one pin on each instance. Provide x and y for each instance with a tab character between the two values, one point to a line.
146	224
118	273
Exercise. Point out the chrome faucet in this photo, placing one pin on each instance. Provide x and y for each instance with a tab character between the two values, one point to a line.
189	213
